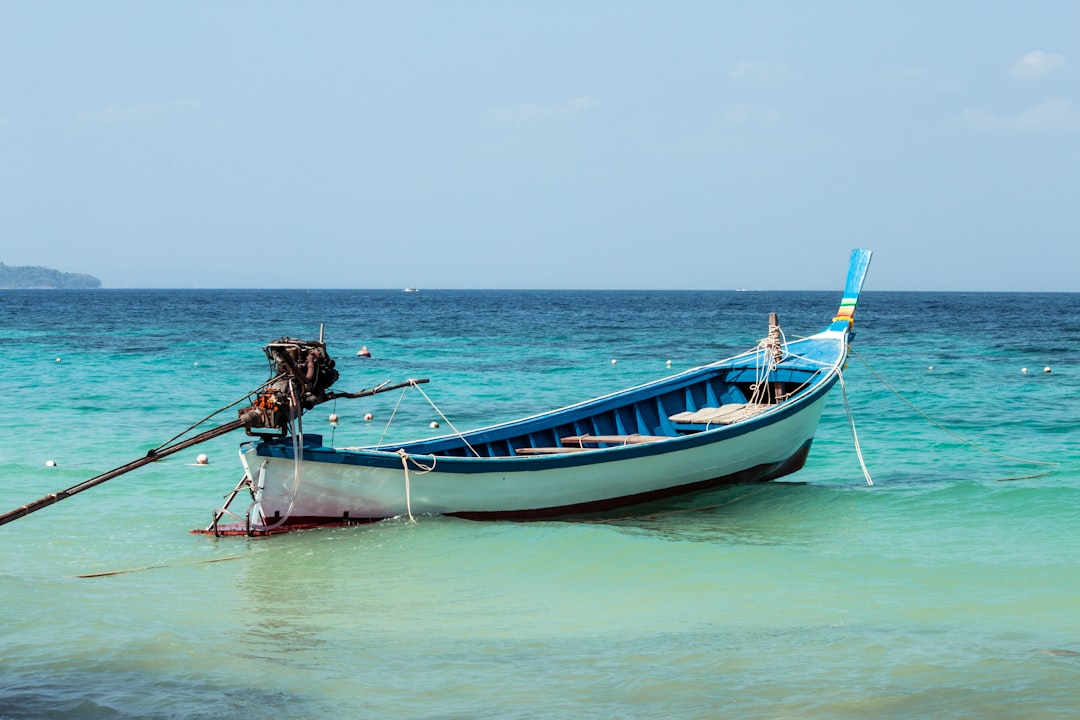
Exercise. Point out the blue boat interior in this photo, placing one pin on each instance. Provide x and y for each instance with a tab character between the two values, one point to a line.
649	413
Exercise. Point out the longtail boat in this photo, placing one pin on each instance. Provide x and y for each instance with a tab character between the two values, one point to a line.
748	418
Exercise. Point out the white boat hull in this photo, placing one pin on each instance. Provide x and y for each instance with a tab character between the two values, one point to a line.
321	490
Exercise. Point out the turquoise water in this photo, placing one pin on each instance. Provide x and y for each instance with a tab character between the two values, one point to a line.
949	588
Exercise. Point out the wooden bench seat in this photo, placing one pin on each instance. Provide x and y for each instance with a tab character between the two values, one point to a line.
724	415
579	443
548	450
634	439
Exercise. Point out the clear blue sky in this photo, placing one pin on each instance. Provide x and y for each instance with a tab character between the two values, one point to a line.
501	144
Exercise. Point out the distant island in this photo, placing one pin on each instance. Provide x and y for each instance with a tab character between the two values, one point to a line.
43	278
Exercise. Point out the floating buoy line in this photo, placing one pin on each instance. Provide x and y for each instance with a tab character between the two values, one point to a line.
109	573
937	424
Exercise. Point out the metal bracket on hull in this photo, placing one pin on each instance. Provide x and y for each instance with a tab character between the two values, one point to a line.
224	509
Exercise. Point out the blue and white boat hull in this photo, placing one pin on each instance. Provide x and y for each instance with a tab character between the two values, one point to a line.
349	486
749	418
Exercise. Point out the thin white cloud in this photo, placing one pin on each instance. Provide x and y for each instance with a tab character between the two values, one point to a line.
1055	115
745	114
762	71
133	114
911	72
527	112
1037	64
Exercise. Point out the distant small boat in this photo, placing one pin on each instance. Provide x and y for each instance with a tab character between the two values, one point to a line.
749	418
410	290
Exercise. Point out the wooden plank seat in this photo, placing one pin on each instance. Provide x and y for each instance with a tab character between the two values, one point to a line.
578	443
548	450
726	414
633	439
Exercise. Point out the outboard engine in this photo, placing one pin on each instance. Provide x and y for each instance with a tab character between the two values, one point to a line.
301	373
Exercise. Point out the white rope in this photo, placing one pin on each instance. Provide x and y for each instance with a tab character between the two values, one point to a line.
396	406
297	441
847	406
942	427
456	431
408	491
854	435
405	460
843	390
763	366
298	448
435	407
296	428
813	361
768	354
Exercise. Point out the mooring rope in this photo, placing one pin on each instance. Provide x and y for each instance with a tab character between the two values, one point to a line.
392	414
964	440
1026	477
768	354
405	460
109	573
408	491
854	435
443	416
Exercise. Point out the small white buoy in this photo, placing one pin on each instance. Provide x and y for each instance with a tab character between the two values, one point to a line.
1046	369
57	359
433	425
196	364
202	460
1023	370
369	416
669	363
50	463
930	368
333	419
613	361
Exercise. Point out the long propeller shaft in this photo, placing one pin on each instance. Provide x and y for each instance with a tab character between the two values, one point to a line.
152	456
248	418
